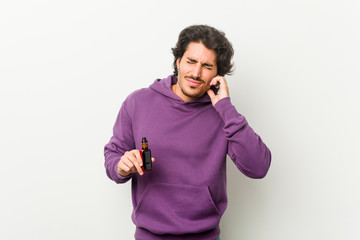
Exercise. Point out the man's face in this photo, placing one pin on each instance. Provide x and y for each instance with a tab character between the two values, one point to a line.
196	69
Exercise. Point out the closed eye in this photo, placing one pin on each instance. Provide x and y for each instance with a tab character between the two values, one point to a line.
189	60
208	66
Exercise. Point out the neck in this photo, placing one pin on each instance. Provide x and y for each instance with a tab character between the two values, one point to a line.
176	89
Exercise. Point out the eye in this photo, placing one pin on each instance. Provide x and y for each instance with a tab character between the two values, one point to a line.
191	60
207	66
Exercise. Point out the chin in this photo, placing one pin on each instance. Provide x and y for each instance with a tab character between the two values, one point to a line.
193	94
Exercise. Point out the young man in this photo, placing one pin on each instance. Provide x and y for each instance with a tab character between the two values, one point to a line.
190	130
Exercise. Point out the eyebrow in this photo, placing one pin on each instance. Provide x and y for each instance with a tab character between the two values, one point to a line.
204	64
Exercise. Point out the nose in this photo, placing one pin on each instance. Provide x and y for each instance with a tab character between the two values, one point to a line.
197	70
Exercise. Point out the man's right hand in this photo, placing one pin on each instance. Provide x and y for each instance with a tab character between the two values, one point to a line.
131	162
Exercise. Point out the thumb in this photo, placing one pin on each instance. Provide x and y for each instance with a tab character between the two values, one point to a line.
211	94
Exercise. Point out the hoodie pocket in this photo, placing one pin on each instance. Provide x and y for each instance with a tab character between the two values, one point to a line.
176	209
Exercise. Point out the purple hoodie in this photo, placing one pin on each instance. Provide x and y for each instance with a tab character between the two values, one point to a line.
184	196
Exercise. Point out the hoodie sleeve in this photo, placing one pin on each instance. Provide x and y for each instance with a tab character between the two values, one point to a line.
250	155
121	141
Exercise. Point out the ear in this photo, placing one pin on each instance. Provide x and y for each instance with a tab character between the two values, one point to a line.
178	63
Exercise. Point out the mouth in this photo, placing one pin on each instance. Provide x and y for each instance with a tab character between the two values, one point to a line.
193	83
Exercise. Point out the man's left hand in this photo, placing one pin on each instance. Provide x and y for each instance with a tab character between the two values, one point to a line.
223	91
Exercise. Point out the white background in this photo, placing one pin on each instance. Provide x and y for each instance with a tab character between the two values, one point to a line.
66	66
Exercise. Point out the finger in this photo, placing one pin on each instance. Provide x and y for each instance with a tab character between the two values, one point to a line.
211	93
123	169
129	164
215	80
224	89
152	159
135	163
138	168
137	160
138	157
222	81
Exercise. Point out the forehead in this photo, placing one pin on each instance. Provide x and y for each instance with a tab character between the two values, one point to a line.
200	53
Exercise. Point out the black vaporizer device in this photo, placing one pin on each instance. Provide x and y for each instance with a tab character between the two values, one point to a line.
145	155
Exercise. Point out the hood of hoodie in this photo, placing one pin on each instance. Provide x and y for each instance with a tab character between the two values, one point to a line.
163	86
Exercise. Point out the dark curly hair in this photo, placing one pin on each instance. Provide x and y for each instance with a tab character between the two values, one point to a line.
212	39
